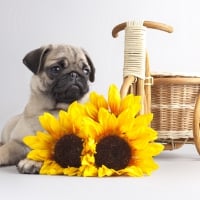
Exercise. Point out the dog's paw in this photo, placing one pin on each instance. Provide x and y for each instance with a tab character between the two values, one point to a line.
28	166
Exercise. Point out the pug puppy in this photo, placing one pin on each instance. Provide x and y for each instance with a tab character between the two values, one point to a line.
61	75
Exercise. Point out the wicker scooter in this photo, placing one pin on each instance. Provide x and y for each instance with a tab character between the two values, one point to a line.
173	99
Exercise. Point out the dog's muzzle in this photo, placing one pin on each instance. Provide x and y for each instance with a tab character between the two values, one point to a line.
69	87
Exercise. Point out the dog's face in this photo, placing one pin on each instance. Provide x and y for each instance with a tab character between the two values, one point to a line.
61	72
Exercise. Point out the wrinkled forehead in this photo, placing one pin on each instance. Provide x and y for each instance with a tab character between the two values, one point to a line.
68	54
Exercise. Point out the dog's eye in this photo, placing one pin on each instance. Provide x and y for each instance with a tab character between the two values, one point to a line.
86	70
55	69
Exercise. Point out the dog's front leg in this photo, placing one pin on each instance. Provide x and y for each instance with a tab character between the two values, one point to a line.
12	152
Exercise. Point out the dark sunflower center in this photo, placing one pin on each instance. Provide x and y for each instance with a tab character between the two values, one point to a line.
68	150
113	152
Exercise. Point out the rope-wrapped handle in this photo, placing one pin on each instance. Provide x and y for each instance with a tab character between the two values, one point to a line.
148	24
136	59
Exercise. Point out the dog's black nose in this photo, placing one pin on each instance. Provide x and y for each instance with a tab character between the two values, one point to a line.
74	75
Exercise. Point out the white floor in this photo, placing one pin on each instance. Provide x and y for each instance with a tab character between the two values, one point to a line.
177	178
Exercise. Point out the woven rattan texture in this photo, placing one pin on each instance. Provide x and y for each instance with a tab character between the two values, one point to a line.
173	108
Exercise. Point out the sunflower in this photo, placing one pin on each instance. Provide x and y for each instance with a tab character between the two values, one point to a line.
120	145
122	142
61	145
114	103
99	138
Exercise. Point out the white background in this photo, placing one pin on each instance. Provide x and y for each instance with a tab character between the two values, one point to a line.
28	24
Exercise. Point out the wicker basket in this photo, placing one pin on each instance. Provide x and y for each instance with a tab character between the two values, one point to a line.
176	108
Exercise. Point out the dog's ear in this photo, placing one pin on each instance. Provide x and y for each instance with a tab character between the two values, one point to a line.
92	73
35	59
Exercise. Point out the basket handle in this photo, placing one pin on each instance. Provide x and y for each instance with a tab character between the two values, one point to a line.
148	24
126	86
196	124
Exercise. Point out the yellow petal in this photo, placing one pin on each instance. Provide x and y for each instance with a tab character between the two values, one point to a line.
39	155
39	141
139	140
139	143
135	108
50	167
98	100
76	110
77	120
141	136
147	165
125	121
144	120
71	121
108	121
91	110
151	149
131	171
104	171
71	171
87	159
114	99
65	122
51	124
155	148
131	101
90	127
88	171
89	146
